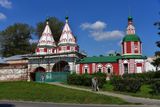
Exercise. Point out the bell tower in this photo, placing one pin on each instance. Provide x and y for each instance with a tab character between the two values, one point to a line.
131	44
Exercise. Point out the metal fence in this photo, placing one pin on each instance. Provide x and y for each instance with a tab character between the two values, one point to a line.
51	76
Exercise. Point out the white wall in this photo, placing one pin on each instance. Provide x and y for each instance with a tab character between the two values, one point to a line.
149	66
13	74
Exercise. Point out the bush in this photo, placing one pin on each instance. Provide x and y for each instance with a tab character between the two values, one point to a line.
86	79
125	85
155	88
146	77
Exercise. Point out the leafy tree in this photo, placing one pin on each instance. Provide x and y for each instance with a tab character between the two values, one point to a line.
157	24
156	63
55	25
15	39
33	47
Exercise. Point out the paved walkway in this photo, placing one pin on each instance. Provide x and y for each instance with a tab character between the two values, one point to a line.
145	101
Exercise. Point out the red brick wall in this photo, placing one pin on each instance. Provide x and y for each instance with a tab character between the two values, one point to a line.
90	68
114	65
115	68
80	68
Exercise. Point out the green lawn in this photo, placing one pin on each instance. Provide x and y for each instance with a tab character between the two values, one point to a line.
30	91
144	91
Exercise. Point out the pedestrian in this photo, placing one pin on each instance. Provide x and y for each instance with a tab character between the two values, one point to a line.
95	84
42	78
97	88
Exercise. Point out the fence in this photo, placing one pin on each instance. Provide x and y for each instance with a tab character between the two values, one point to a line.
51	76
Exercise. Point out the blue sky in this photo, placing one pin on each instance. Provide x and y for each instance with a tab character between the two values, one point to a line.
98	24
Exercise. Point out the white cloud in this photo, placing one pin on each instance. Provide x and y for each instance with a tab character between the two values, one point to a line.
97	31
6	3
98	25
2	16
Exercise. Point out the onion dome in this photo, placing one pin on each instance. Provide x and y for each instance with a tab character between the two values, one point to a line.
131	37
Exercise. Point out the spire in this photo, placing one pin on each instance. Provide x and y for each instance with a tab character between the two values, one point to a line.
130	27
67	36
47	21
66	19
47	37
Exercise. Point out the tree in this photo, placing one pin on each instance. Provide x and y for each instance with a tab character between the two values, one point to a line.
157	24
55	25
156	63
15	39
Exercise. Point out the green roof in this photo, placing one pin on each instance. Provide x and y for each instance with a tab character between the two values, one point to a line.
134	57
100	59
131	37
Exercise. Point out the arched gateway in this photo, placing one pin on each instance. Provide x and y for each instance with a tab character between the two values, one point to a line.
61	66
58	59
33	74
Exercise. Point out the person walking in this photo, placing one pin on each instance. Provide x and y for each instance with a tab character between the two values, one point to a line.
95	84
97	88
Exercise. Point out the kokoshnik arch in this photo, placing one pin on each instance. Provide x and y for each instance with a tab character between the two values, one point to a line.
65	56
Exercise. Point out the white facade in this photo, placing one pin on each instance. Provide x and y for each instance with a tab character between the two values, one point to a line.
149	66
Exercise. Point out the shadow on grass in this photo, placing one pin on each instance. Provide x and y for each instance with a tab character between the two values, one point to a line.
7	105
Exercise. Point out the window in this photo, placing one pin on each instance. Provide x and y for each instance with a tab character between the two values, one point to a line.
99	68
52	50
86	70
109	69
37	50
45	49
125	68
68	47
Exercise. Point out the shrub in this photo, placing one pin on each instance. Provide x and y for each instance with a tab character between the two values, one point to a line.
146	77
126	85
133	85
74	79
155	88
86	79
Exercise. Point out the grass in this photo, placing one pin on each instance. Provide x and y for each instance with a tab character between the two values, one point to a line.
30	91
144	91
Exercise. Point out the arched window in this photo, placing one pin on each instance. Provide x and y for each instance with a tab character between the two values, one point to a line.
109	69
125	65
99	68
85	69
